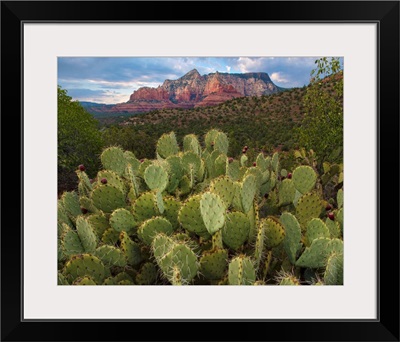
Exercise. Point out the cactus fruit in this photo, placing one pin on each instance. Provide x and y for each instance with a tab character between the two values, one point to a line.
241	271
331	216
212	211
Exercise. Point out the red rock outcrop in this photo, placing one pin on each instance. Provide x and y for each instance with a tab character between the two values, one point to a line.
194	90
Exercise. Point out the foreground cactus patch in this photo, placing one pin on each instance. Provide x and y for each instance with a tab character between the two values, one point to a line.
197	216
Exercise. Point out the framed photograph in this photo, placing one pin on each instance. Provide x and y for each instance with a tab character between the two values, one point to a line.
195	147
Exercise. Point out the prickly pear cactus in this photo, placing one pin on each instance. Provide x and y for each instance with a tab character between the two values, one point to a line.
203	215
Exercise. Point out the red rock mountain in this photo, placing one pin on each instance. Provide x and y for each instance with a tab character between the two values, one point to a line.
193	90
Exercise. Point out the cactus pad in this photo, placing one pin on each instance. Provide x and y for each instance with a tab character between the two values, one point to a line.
147	274
156	177
293	235
191	143
110	256
150	228
112	179
259	247
108	198
167	145
340	198
172	207
85	265
175	259
334	270
209	139
71	205
110	237
131	249
213	265
308	207
144	207
241	271
225	189
316	228
247	192
121	219
84	281
113	159
317	254
274	231
190	217
304	178
243	160
261	163
221	143
71	244
286	192
212	211
233	170
86	234
236	230
334	228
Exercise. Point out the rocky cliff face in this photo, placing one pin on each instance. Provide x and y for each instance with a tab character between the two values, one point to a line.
193	90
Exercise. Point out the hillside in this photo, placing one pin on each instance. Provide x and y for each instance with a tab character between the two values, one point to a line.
264	122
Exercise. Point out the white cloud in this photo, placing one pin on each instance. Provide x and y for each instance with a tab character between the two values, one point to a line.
228	68
246	64
279	77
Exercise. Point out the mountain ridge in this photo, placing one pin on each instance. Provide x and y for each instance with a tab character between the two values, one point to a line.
194	90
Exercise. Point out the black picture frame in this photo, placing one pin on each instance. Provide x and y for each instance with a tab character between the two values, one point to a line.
15	13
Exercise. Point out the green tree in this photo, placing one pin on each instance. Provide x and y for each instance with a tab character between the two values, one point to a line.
79	141
322	126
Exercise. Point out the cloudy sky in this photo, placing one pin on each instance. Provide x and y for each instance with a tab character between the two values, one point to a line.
113	79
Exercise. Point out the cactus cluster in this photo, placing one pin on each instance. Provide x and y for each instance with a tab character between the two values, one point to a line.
197	216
